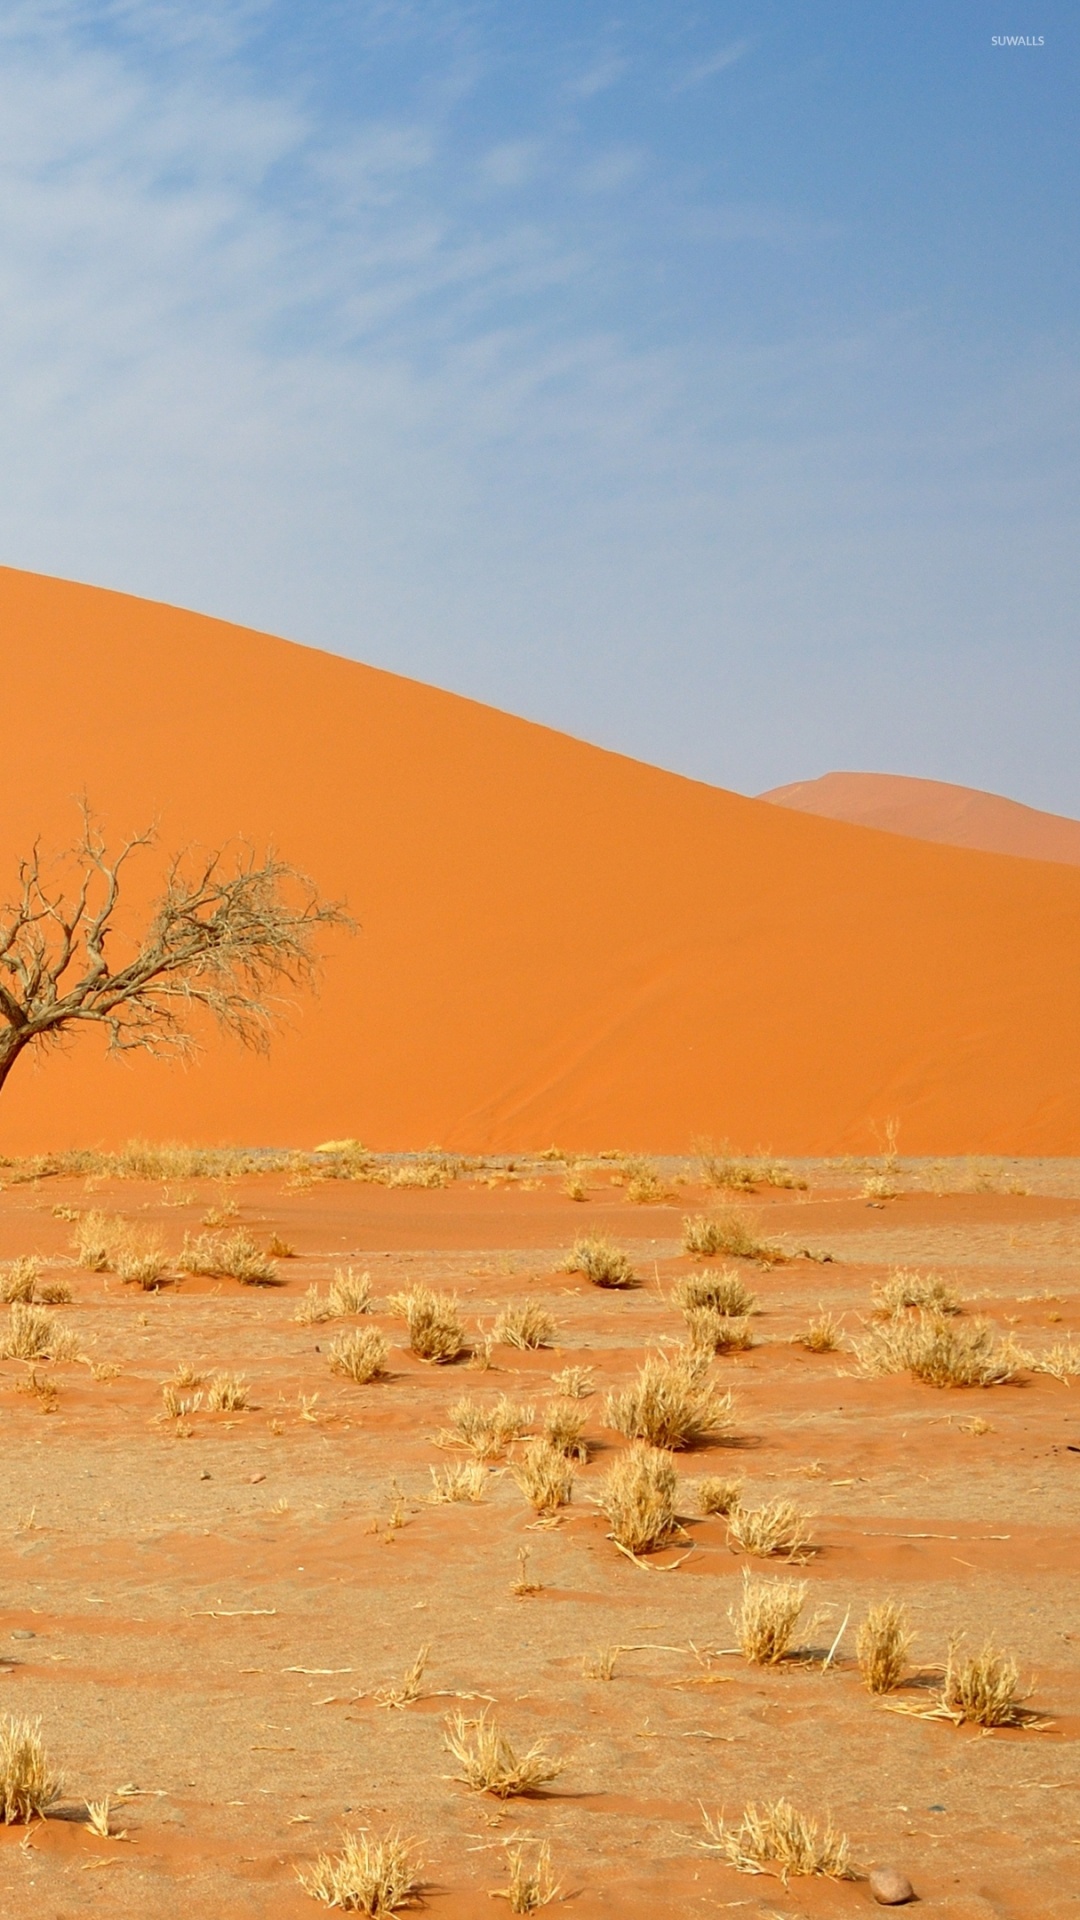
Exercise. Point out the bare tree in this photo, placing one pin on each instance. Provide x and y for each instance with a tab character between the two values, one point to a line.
224	936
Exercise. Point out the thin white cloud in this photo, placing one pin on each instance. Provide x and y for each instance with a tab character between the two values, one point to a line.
715	63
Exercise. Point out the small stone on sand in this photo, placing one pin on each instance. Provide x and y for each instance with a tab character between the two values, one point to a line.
890	1887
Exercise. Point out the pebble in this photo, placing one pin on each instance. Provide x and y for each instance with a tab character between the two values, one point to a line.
255	1478
24	1633
205	1474
890	1887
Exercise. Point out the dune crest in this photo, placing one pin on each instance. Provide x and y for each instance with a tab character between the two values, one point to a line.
557	942
935	810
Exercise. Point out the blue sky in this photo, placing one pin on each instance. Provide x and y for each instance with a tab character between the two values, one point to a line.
702	379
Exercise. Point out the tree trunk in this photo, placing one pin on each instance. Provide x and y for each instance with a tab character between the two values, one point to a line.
11	1045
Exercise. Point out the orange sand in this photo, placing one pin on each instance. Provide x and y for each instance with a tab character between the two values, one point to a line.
935	810
557	942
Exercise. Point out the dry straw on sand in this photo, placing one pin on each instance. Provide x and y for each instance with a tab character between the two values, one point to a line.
768	1617
881	1646
489	1764
434	1321
601	1262
369	1874
940	1351
637	1494
672	1404
776	1838
28	1782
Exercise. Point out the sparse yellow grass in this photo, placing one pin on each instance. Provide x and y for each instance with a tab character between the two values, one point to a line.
637	1494
709	1332
672	1404
879	1186
434	1321
141	1262
564	1428
645	1186
411	1685
464	1481
605	1264
731	1231
716	1495
776	1528
575	1383
360	1355
280	1249
735	1173
347	1293
98	1239
20	1281
545	1476
525	1326
369	1874
823	1335
489	1764
905	1288
725	1292
430	1170
939	1351
532	1882
984	1688
54	1293
33	1334
575	1186
881	1646
600	1663
227	1393
28	1782
1062	1361
487	1431
231	1256
768	1617
776	1838
178	1405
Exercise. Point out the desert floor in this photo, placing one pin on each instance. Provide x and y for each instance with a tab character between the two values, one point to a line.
202	1609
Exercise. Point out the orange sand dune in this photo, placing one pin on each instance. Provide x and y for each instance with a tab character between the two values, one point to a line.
935	810
558	943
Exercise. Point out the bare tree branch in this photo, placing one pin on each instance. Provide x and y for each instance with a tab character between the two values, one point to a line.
225	936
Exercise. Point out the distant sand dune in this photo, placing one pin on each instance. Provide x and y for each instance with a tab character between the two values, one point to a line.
558	943
935	810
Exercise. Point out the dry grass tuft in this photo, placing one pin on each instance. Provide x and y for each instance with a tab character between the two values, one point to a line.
54	1293
279	1249
32	1334
411	1685
1061	1361
905	1288
368	1875
672	1404
768	1617
489	1763
716	1495
359	1355
823	1335
436	1332
775	1838
735	1174
28	1784
575	1383
21	1281
486	1431
644	1185
709	1332
637	1494
142	1266
532	1883
730	1231
575	1185
881	1646
545	1476
776	1528
227	1393
96	1240
983	1689
347	1293
725	1292
564	1428
939	1352
600	1664
526	1326
466	1481
601	1262
232	1256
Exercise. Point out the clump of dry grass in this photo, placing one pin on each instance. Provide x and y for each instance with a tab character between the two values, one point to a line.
532	1882
881	1646
637	1494
142	1265
905	1288
28	1782
359	1355
97	1238
776	1838
1061	1361
730	1231
736	1174
232	1256
369	1874
575	1383
725	1292
767	1618
434	1321
644	1184
776	1528
709	1332
938	1351
605	1264
54	1293
487	1431
347	1293
489	1764
227	1393
464	1481
716	1495
545	1476
564	1428
32	1334
429	1170
600	1664
411	1685
879	1186
526	1326
672	1404
20	1281
45	1392
177	1405
280	1249
823	1335
575	1185
984	1688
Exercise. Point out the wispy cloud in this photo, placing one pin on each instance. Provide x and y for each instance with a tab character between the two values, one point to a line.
712	64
